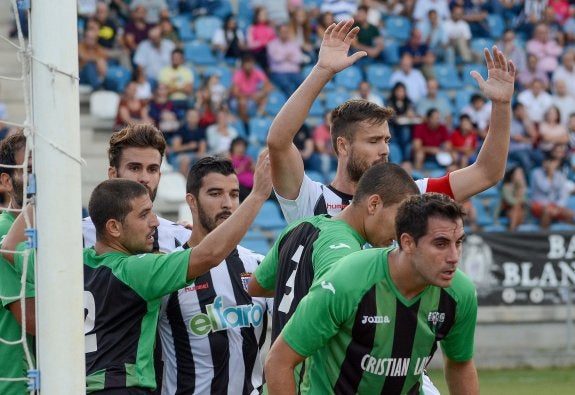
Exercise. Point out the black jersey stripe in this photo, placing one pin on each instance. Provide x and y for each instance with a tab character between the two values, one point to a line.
405	328
303	235
320	206
448	306
363	339
156	247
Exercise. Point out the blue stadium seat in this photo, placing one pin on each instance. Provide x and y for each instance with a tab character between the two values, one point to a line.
317	108
462	98
496	25
269	217
378	75
562	227
275	102
253	151
224	9
183	25
335	98
494	228
447	76
199	53
223	71
484	216
315	175
395	154
468	80
206	27
391	52
118	76
259	128
260	246
398	27
477	44
349	78
529	227
490	193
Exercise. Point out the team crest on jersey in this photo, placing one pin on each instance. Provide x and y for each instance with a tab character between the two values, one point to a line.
245	279
435	319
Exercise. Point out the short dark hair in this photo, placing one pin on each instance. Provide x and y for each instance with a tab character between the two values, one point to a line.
388	180
138	136
205	166
112	199
346	116
414	213
8	149
178	51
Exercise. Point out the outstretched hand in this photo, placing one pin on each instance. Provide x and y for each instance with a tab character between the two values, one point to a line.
262	175
501	77
333	53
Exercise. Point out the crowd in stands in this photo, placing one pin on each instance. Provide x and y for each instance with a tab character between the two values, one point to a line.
210	73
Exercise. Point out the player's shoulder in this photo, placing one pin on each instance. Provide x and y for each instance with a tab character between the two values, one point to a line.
462	287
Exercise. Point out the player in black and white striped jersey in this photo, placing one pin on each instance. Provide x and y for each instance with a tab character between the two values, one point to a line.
212	331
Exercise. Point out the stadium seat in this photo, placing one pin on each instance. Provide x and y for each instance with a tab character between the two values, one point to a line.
119	77
317	108
223	71
378	75
104	104
199	53
224	9
349	78
261	246
269	217
462	98
468	80
490	193
494	228
395	154
315	175
183	25
447	76
335	98
391	52
398	27
275	102
206	27
496	25
259	128
484	216
479	43
528	228
562	227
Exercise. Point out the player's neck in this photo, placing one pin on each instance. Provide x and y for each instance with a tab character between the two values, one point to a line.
342	183
401	273
104	246
198	234
353	218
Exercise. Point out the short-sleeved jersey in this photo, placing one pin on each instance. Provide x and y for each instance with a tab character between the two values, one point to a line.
316	198
362	336
212	331
122	296
168	237
302	253
14	363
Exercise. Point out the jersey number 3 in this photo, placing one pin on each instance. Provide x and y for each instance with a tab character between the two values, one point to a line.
287	299
90	340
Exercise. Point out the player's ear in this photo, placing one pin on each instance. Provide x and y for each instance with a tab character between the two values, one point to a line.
5	182
112	172
407	243
373	202
114	227
342	145
192	202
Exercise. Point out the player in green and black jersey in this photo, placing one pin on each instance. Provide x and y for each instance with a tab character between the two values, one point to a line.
370	325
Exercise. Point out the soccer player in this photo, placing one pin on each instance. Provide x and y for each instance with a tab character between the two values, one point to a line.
371	324
212	331
13	365
360	135
124	284
136	153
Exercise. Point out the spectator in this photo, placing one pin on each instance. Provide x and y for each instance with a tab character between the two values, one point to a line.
136	30
323	21
429	139
550	192
462	143
530	15
301	24
304	143
413	80
405	117
108	30
364	92
571	129
422	8
131	110
250	88
475	13
340	9
513	50
259	34
536	100
551	20
514	198
434	35
243	166
93	61
415	46
569	31
532	72
277	10
323	158
545	48
213	94
434	100
220	135
144	88
284	60
153	54
163	112
169	32
229	41
480	113
179	79
368	38
459	34
523	136
189	143
552	131
561	99
566	71
154	9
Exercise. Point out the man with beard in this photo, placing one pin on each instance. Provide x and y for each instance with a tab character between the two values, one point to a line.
212	331
13	153
136	153
360	135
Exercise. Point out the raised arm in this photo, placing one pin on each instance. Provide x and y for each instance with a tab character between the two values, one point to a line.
222	240
461	377
489	167
286	161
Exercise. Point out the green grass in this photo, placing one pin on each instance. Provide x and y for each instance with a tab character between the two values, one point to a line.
551	381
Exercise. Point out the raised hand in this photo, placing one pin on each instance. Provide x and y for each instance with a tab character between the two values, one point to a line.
262	175
501	77
333	53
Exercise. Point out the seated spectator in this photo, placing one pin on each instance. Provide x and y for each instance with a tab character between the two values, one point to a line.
162	111
143	88
136	30
513	50
323	158
179	79
536	100
364	92
405	117
368	38
131	110
434	35
243	166
530	15
434	100
531	73
545	48
422	8
169	32
415	46
301	24
108	30
480	113
475	13
429	139
412	78
213	94
550	192
552	131
229	41
284	60
93	62
189	143
154	9
323	21
250	89
523	136
551	20
569	31
154	53
566	71
304	143
459	34
259	34
341	9
514	199
462	143
219	136
562	100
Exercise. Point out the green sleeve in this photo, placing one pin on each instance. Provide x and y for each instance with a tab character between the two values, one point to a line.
19	268
459	343
155	275
267	271
331	248
9	283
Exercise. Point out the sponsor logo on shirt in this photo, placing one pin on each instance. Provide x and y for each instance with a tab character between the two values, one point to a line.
329	286
339	246
197	287
435	319
375	319
336	206
245	279
392	367
220	318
